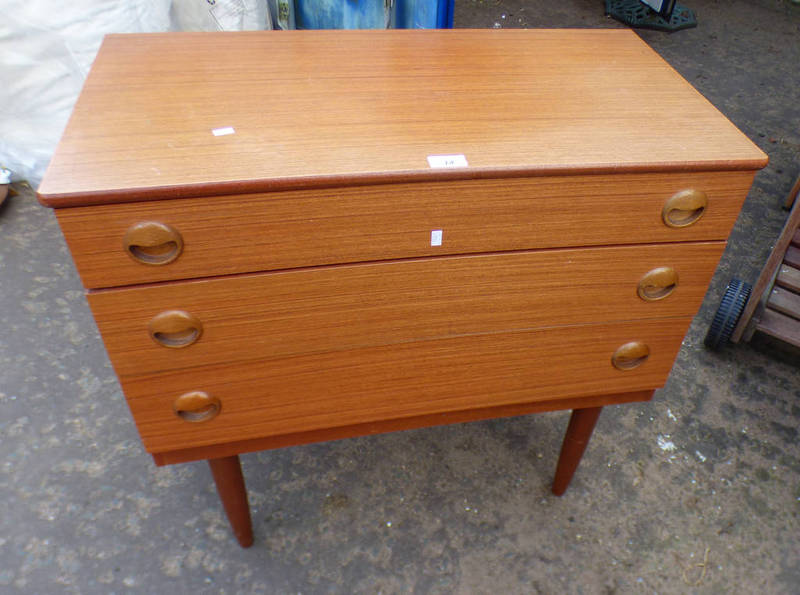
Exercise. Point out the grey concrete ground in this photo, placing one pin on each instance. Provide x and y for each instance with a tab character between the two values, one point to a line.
695	492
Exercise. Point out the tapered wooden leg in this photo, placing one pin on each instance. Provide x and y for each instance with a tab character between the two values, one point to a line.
577	437
227	473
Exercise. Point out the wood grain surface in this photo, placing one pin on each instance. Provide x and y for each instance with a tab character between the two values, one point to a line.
238	234
285	314
317	108
324	390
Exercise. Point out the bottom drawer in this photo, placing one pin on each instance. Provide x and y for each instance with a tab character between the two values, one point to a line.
326	390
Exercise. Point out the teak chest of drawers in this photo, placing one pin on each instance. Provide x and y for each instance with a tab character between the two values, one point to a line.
290	237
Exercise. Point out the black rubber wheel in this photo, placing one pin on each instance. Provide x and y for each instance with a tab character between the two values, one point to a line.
728	314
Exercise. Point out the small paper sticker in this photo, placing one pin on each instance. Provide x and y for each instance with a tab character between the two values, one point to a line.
444	161
436	237
223	131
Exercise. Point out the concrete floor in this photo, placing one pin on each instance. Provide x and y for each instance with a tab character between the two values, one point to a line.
695	492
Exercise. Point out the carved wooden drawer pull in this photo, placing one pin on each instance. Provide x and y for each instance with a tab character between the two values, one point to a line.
657	284
151	242
684	208
175	328
630	356
197	406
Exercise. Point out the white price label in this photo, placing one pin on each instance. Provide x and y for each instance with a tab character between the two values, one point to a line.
446	161
223	131
436	237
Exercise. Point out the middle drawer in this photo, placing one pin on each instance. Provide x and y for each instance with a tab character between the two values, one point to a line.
324	309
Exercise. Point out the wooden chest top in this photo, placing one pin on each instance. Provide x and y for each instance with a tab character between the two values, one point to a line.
168	115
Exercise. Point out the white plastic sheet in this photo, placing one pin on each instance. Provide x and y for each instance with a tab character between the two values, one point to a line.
46	49
220	15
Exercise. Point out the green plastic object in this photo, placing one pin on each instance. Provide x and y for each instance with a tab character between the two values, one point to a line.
636	14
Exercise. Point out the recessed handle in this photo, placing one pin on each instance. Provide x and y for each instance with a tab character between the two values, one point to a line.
684	208
657	284
175	328
196	406
630	356
152	242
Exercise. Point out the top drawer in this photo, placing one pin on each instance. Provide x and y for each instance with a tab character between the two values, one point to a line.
124	244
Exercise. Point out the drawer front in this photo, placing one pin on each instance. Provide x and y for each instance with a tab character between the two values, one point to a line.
223	235
325	390
290	313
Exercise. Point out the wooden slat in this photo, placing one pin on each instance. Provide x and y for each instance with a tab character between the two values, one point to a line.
238	234
392	425
792	257
796	238
328	390
788	278
780	326
790	198
277	315
307	114
784	301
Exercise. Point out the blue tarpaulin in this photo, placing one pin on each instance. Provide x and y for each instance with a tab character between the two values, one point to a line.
374	14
